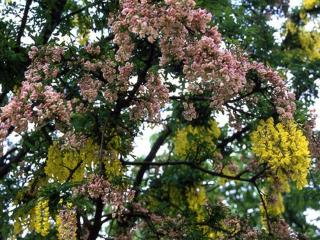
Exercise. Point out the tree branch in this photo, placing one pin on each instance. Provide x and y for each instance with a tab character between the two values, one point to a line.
264	205
142	78
81	9
95	228
190	164
148	160
3	158
23	22
230	139
5	169
54	18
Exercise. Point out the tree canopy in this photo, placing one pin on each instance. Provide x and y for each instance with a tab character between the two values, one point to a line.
82	80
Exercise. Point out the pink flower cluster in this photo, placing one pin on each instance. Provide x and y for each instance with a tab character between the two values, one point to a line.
171	22
89	88
178	24
67	228
94	50
211	69
73	140
118	80
97	187
152	97
35	101
185	35
283	99
283	231
114	81
189	112
43	63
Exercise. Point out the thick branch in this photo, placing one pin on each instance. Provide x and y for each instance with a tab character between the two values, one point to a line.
192	98
3	158
97	221
54	17
95	228
23	21
230	139
148	160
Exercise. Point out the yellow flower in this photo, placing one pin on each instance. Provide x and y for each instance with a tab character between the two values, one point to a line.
41	222
17	226
196	198
275	204
113	168
310	4
191	140
62	163
310	42
59	226
285	149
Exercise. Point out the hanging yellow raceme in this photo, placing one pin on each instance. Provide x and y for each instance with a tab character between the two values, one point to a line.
285	149
310	42
64	164
192	139
197	198
310	4
17	226
61	164
42	224
275	204
113	165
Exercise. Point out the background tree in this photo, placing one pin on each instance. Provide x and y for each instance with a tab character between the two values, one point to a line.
80	80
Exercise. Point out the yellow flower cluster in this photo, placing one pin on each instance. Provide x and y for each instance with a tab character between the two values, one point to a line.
20	220
62	163
310	4
112	163
42	224
291	27
59	227
18	225
275	204
285	149
196	198
310	42
113	168
190	140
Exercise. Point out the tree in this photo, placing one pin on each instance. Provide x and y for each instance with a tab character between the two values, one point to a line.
81	79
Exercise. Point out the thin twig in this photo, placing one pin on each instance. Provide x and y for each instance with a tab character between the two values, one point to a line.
190	164
264	205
